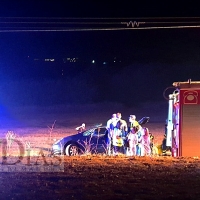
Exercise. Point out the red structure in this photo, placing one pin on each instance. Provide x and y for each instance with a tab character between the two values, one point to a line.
183	123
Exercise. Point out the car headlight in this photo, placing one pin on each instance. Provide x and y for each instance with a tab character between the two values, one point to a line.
57	142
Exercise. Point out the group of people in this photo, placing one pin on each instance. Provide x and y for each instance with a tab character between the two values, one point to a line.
130	139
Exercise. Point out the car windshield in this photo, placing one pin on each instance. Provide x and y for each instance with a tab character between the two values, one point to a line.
88	132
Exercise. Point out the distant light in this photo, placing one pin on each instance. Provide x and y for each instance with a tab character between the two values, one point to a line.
93	61
104	63
49	59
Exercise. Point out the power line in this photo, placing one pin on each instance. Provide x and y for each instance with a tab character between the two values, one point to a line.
15	24
96	29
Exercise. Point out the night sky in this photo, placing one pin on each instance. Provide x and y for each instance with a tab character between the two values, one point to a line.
131	65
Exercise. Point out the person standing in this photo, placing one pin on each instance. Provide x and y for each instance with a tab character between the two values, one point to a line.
111	127
146	142
133	141
123	129
133	121
140	145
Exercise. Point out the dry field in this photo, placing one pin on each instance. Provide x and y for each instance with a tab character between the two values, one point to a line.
91	176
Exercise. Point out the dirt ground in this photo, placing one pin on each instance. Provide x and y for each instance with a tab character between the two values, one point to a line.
92	176
99	177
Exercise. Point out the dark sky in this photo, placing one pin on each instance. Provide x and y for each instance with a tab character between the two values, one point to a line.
88	8
146	60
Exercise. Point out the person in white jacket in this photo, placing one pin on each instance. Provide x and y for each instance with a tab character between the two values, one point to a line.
111	127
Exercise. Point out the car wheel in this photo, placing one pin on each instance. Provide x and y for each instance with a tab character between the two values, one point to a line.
71	150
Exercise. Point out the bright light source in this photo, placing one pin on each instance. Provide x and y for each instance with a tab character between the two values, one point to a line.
93	61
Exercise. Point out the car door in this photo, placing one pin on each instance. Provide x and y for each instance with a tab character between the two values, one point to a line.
99	140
